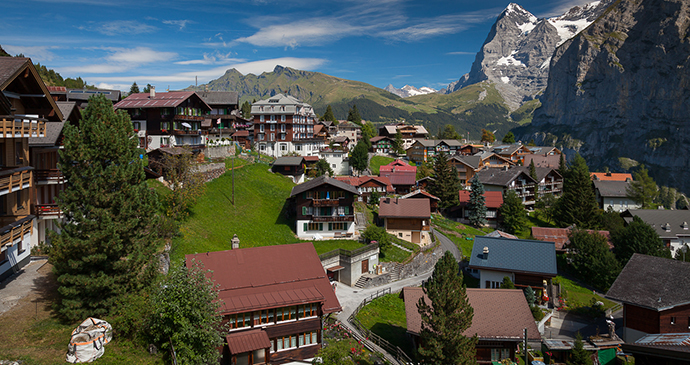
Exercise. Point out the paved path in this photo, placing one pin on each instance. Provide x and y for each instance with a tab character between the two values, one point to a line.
447	244
19	285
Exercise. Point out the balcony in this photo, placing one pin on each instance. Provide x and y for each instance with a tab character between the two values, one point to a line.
326	202
22	127
16	231
333	218
47	177
188	118
16	179
183	132
48	211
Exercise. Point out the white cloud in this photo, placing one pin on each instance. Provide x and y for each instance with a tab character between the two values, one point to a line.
212	59
308	32
445	24
180	23
36	53
120	27
123	59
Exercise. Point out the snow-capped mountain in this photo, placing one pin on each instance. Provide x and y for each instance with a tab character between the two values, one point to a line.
407	90
517	52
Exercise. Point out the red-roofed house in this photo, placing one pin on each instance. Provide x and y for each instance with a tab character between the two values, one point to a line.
611	176
368	184
500	316
407	219
560	236
492	199
421	194
401	175
167	119
273	299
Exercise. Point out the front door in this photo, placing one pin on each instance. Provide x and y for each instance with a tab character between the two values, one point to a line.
365	266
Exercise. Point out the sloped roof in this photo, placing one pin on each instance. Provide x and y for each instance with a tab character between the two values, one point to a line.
400	177
666	223
560	236
85	94
404	208
540	150
471	161
498	313
169	99
398	165
34	90
219	97
507	149
419	193
378	138
498	233
246	341
652	282
610	188
53	130
552	161
492	199
268	277
358	181
509	255
289	161
500	177
541	172
611	176
323	180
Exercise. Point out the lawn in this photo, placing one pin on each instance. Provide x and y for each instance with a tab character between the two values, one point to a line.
378	161
385	316
577	296
31	333
457	232
257	217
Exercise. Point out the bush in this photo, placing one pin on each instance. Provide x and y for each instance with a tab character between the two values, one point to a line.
378	234
537	313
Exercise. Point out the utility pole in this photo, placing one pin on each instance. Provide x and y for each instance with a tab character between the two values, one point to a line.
525	347
233	180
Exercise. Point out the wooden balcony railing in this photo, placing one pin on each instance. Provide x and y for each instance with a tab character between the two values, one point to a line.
21	127
16	179
48	210
333	218
182	132
16	230
326	202
50	175
190	118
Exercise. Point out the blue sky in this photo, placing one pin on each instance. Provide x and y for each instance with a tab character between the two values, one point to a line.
112	43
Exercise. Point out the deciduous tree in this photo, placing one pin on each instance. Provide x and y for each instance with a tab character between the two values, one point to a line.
637	237
359	159
368	132
477	204
643	189
105	247
509	138
592	260
512	214
448	132
185	182
446	317
185	315
488	136
322	167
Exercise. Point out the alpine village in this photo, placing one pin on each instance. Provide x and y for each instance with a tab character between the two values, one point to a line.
539	215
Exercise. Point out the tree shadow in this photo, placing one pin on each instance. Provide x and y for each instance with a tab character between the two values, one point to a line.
396	335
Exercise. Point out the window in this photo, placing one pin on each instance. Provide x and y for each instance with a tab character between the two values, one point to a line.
308	338
261	128
239	320
261	118
264	317
282	128
286	314
298	147
283	147
282	117
137	125
243	358
273	127
287	342
259	356
273	137
337	226
307	310
19	198
313	226
400	234
263	146
273	118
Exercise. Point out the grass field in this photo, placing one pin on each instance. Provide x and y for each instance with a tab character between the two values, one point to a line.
385	316
458	233
378	161
577	296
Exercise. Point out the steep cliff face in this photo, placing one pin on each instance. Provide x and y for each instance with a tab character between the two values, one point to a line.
621	88
516	53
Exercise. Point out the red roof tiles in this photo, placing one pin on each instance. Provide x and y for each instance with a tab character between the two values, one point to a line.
160	100
492	199
268	277
246	341
610	176
404	208
559	236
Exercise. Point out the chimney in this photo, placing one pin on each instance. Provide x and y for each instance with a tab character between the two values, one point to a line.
235	242
152	93
486	253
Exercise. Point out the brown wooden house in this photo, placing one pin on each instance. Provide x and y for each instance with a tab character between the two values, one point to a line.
654	294
324	207
421	194
407	219
366	185
275	314
500	317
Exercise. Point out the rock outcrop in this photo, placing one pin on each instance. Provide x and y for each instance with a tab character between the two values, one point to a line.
621	89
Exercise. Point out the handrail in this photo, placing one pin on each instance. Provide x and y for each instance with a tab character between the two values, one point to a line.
348	253
16	230
22	126
15	179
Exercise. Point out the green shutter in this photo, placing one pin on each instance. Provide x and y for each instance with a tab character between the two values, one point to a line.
320	226
304	210
347	210
304	195
330	226
306	226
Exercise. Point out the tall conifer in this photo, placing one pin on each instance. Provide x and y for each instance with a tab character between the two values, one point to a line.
446	184
106	247
578	204
477	205
448	316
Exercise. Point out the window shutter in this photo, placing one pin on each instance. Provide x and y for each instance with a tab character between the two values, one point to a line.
306	226
330	226
347	210
304	210
320	226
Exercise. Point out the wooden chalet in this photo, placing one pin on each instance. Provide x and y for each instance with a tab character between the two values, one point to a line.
292	166
407	219
169	119
26	107
324	207
499	320
524	185
366	185
421	194
402	176
275	316
654	296
492	200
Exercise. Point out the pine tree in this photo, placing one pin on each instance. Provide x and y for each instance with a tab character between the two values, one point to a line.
328	115
578	204
353	115
578	355
532	170
147	89
512	214
246	110
477	205
359	158
447	184
106	247
446	317
398	143
134	89
643	190
562	166
637	237
509	138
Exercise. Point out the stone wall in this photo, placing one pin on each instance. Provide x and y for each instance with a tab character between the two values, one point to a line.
211	171
378	280
420	264
219	151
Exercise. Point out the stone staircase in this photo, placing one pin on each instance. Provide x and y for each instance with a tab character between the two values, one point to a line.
361	282
395	272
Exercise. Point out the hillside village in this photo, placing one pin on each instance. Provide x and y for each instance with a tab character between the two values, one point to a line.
335	229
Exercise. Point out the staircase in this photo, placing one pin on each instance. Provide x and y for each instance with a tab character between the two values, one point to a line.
395	272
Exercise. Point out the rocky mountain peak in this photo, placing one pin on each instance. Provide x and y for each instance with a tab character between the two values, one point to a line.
407	90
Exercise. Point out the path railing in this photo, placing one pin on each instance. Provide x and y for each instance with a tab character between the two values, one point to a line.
399	355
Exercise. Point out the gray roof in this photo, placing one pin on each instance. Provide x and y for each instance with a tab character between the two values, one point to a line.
219	97
507	149
53	130
436	142
85	94
666	223
652	282
323	180
612	189
540	150
288	161
472	161
542	172
513	255
274	104
500	177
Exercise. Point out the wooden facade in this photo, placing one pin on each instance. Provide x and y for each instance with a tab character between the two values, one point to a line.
674	320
